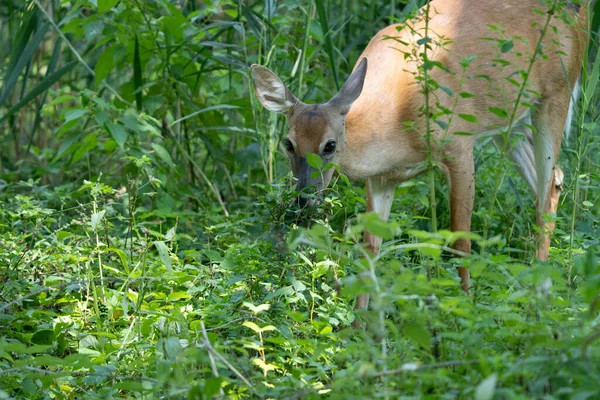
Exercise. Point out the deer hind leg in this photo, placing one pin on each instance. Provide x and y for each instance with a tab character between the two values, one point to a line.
522	154
461	177
549	121
380	195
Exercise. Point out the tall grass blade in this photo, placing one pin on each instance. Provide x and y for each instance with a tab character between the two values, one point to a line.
328	42
21	38
12	75
137	75
38	113
45	84
591	83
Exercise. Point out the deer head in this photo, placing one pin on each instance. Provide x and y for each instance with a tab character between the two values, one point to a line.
314	128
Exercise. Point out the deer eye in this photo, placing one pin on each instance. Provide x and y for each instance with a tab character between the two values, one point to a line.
329	147
289	146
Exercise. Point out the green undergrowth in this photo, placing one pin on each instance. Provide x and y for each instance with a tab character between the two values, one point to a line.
103	298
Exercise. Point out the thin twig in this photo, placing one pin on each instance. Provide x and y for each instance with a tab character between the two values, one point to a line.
212	350
210	356
32	294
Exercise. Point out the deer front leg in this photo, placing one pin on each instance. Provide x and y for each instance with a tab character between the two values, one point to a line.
461	176
380	195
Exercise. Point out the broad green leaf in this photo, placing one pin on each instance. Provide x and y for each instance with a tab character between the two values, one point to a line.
170	235
104	65
118	133
88	143
96	219
257	309
163	254
75	113
171	347
441	124
175	296
498	111
373	224
485	390
507	46
268	328
468	117
264	366
252	325
418	333
447	90
314	161
43	337
163	154
211	388
106	5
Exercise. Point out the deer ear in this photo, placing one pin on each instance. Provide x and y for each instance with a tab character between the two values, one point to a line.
271	91
351	89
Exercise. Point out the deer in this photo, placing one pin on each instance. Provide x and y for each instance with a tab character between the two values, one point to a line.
374	128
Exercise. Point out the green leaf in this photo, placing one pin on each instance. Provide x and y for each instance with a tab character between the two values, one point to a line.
374	225
122	257
43	336
257	309
485	390
163	154
498	111
468	117
96	219
211	388
118	133
171	347
418	333
106	5
163	254
252	325
104	65
75	113
175	296
447	90
441	124
314	161
507	46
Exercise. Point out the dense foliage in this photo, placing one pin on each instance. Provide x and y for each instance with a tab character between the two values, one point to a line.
151	245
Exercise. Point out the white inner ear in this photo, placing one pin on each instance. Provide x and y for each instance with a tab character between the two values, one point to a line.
272	95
